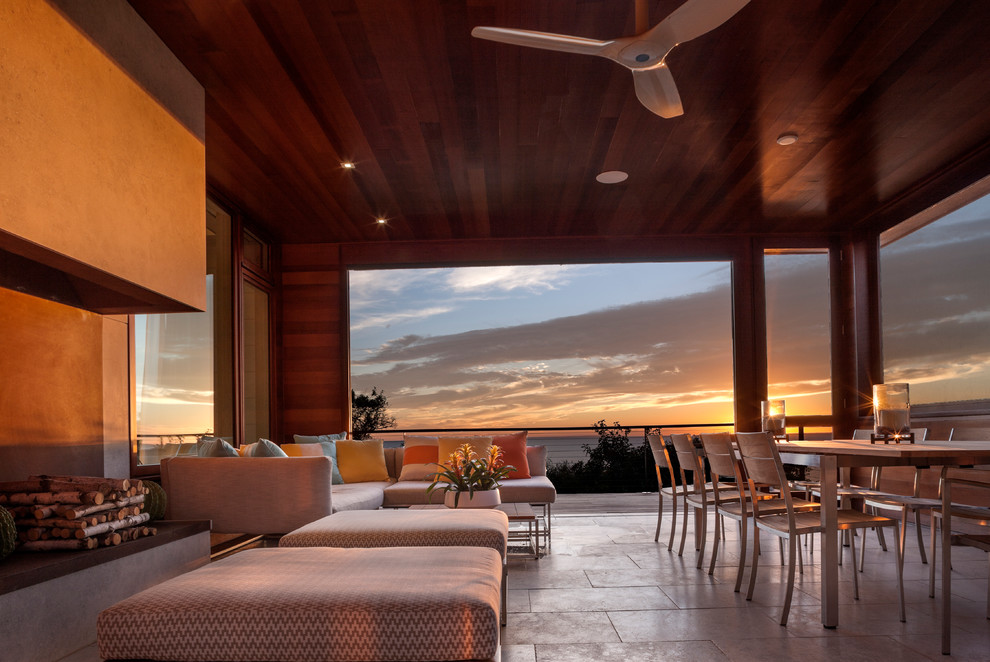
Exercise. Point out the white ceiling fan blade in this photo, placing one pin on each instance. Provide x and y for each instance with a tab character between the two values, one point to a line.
696	17
545	40
655	89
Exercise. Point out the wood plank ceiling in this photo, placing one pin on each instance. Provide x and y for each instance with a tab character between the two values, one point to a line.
455	137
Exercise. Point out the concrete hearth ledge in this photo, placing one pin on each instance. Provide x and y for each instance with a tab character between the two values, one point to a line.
50	600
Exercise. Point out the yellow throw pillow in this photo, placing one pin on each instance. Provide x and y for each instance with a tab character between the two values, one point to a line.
419	457
361	461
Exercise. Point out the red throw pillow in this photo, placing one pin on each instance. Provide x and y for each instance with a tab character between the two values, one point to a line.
513	447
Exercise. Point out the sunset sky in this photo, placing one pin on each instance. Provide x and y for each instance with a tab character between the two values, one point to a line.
651	343
545	346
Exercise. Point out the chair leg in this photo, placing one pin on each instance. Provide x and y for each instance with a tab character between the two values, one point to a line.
921	541
756	561
656	537
862	551
680	551
711	566
900	575
673	521
852	554
931	566
702	535
742	558
792	550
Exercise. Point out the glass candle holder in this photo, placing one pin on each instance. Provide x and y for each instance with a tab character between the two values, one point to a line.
891	410
772	416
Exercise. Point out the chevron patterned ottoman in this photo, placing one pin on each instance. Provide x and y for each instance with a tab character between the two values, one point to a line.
302	604
444	527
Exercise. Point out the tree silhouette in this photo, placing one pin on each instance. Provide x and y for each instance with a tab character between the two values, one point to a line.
369	413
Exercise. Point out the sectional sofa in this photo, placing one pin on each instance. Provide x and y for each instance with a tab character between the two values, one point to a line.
275	495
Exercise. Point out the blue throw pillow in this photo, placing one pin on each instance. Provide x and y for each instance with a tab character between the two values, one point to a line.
214	447
329	450
265	448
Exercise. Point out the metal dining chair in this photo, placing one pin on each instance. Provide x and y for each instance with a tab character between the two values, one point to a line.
661	457
762	464
724	464
698	493
953	478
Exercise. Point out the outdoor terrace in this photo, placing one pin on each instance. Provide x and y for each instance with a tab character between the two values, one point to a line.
608	592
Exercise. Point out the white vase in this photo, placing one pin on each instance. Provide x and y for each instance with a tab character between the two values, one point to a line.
479	499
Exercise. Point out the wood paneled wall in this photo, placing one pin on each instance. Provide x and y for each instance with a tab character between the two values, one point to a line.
313	343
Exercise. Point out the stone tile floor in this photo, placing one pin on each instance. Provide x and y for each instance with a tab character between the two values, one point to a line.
608	592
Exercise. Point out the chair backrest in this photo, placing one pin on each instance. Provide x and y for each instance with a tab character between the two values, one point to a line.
860	433
687	458
718	450
661	457
760	459
722	462
969	434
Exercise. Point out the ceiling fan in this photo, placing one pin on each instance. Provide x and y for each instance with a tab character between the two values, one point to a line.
644	53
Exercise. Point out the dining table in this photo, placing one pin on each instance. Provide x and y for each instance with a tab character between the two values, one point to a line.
836	454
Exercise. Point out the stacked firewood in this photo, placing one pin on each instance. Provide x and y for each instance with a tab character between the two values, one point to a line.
76	512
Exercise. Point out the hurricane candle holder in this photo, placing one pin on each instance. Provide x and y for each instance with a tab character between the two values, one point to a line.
772	417
891	413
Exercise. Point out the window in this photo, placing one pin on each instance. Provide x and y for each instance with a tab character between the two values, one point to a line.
176	356
798	340
545	346
936	307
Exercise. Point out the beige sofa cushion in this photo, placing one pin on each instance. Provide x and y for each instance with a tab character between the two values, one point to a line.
410	493
537	489
359	496
316	603
462	527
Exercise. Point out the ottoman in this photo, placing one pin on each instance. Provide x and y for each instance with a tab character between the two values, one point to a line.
400	603
443	527
450	527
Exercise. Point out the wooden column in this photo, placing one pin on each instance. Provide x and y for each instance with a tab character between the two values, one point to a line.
314	341
857	340
749	335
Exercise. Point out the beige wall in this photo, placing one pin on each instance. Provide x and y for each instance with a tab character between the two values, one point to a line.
63	374
97	178
103	190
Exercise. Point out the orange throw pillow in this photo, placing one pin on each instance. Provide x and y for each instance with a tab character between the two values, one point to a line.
514	452
419	458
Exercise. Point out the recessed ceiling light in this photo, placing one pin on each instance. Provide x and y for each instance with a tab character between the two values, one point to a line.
612	177
347	165
381	221
787	139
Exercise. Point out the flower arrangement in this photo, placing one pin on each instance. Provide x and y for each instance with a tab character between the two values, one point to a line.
466	472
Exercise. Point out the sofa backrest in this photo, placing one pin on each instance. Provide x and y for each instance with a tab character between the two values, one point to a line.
256	495
535	455
537	458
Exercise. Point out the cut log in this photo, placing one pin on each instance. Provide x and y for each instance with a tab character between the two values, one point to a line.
48	545
110	540
112	483
72	512
133	520
42	512
50	498
56	522
17	486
